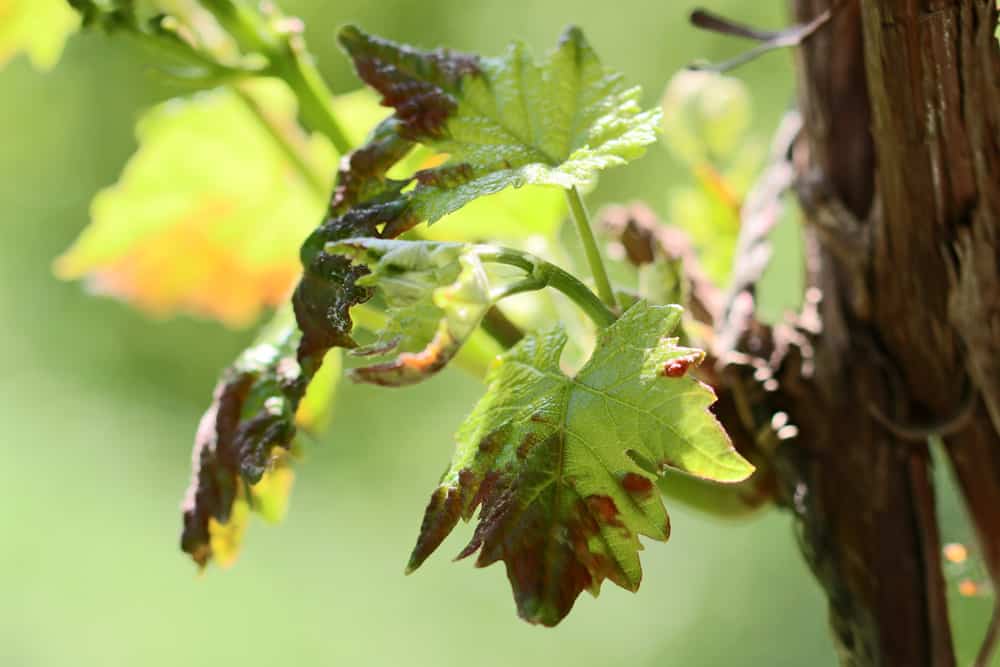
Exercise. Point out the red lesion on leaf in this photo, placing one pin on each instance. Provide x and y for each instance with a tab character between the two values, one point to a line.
604	508
638	486
445	177
676	368
419	85
442	513
411	367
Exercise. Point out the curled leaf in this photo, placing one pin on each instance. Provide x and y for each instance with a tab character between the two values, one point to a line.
243	443
562	468
435	294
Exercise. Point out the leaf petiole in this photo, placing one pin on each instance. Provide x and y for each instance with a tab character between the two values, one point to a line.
543	274
586	233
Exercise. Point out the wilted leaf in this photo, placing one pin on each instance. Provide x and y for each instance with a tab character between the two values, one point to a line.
38	28
562	468
210	212
507	121
245	438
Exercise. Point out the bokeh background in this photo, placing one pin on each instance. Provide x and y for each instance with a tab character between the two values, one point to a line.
98	405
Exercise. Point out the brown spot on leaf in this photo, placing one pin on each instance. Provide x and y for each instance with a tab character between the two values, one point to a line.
440	517
638	486
604	508
676	368
411	367
419	85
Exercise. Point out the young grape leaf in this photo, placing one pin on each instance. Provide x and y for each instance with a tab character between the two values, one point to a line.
210	212
435	294
245	438
510	216
505	121
38	28
562	468
502	122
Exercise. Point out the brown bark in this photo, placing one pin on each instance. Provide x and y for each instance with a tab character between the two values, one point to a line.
897	167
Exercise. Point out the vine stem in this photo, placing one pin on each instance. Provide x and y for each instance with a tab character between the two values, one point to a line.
583	228
287	139
288	61
545	274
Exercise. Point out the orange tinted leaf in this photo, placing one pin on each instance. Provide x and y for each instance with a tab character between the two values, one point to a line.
209	213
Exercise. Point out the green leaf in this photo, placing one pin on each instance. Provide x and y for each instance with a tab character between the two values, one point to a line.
208	215
245	439
475	110
38	28
562	468
435	294
507	121
511	216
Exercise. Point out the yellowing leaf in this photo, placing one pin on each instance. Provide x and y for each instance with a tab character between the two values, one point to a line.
38	28
210	212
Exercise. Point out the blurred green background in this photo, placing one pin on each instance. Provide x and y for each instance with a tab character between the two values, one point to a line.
99	405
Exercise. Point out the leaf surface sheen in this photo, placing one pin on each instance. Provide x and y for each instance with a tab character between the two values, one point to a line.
562	468
505	121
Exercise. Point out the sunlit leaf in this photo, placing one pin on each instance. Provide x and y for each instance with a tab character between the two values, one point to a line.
209	213
38	28
510	216
506	121
562	468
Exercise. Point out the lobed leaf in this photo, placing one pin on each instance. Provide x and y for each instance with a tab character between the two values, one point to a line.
507	121
562	468
502	122
209	213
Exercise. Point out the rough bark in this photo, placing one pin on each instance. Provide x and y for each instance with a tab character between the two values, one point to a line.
897	168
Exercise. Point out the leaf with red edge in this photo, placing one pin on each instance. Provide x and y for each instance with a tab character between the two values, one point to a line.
562	468
505	121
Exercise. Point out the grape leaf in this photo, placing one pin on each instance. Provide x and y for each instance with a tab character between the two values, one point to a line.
245	439
209	213
562	468
436	294
510	216
38	28
505	121
440	99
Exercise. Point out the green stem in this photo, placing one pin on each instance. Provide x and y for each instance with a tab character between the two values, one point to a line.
289	61
549	275
284	137
583	228
315	98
